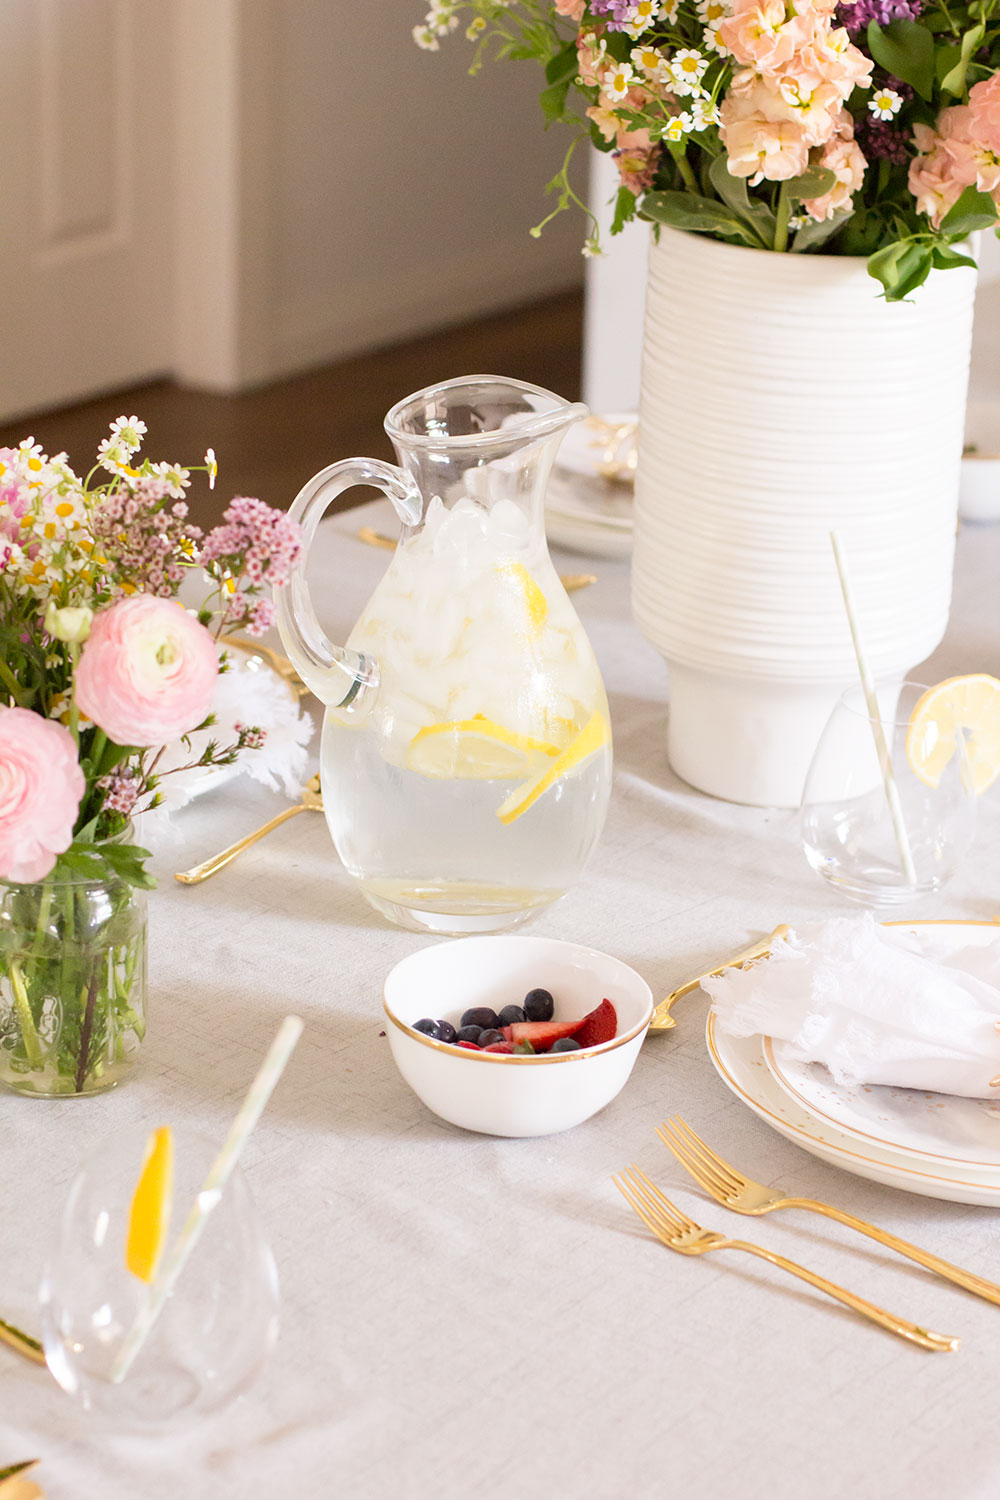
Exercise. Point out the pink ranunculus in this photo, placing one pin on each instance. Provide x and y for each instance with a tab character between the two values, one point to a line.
147	673
984	106
843	157
41	786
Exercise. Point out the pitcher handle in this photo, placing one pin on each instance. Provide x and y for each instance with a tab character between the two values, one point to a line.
337	675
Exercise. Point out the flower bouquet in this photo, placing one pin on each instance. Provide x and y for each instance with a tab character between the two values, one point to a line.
100	668
864	128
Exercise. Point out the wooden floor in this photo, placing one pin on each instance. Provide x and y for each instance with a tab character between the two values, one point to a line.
270	441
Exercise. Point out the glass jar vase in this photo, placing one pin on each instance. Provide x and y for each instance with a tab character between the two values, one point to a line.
72	984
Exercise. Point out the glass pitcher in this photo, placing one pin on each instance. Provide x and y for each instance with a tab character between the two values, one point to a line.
466	757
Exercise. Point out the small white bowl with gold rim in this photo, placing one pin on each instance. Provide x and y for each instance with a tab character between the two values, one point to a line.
498	1094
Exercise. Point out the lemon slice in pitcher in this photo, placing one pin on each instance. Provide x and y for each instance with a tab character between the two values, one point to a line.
594	734
535	603
476	749
149	1218
970	704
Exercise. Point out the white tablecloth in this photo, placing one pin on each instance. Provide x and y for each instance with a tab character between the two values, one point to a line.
464	1316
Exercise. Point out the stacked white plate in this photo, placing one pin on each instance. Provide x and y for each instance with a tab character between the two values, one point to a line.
585	510
934	1144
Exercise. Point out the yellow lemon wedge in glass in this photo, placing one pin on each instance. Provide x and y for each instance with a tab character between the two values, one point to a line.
959	704
595	733
535	602
476	749
149	1218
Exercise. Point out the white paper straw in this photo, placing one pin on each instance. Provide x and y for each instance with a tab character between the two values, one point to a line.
219	1173
875	719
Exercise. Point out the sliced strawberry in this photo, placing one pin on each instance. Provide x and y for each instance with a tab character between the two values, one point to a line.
541	1034
469	1046
600	1026
499	1047
505	1033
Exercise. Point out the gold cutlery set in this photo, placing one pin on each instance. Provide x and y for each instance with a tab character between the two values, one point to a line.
741	1194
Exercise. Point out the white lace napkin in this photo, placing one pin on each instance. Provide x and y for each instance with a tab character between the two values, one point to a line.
875	1004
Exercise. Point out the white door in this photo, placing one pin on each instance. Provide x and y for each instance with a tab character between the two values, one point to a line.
86	198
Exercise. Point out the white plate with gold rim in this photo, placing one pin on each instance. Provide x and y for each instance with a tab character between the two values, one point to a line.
740	1063
953	1174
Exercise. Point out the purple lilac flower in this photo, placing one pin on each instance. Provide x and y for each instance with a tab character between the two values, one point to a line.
617	12
856	16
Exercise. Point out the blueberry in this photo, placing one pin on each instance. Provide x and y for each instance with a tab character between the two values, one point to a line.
538	1005
427	1026
480	1015
469	1034
446	1031
488	1037
565	1044
511	1015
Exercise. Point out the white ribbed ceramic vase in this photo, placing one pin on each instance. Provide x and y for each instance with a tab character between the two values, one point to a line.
782	397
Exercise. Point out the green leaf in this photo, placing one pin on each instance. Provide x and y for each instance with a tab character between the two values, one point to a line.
816	232
905	50
624	210
813	183
733	192
953	77
901	267
946	257
553	101
699	215
564	64
974	210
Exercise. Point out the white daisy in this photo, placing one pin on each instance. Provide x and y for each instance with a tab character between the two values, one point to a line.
425	38
677	128
130	431
713	40
712	11
885	103
174	477
650	61
212	466
703	114
687	67
617	82
640	17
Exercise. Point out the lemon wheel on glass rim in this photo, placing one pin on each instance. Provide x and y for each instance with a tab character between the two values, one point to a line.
960	705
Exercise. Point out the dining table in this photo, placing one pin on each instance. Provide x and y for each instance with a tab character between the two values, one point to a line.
469	1317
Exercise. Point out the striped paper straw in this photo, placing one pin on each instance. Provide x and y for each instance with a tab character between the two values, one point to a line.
219	1173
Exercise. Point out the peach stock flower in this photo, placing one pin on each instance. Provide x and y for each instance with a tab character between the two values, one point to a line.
954	157
843	157
41	786
147	674
759	148
984	106
572	8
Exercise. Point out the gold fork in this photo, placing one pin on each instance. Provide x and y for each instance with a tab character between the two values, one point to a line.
675	1230
311	802
22	1342
736	1191
664	1021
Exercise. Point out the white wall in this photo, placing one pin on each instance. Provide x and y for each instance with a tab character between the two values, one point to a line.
404	189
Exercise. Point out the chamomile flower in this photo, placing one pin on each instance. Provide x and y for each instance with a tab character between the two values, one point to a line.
703	114
712	11
669	9
885	103
113	455
687	68
591	248
212	466
129	431
650	61
618	81
640	17
174	477
425	38
475	28
677	127
713	41
797	221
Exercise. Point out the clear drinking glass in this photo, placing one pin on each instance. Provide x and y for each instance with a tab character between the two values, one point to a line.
847	828
216	1327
